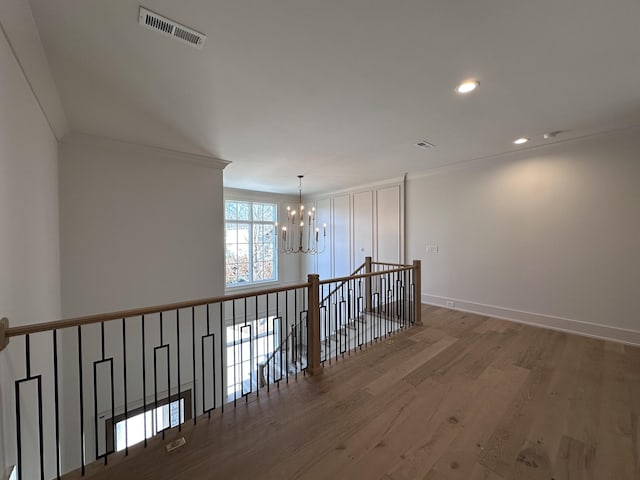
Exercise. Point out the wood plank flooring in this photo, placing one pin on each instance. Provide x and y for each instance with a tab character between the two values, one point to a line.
463	397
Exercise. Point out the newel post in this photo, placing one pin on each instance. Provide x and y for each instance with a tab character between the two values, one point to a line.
367	284
417	291
313	316
4	326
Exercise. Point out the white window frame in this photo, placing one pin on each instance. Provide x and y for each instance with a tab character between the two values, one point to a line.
251	222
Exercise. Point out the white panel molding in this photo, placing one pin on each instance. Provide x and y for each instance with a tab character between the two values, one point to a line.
602	332
373	189
400	222
120	146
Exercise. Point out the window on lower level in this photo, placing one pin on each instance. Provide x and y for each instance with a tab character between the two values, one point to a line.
126	431
250	243
249	345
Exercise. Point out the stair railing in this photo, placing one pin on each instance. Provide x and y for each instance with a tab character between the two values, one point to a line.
177	362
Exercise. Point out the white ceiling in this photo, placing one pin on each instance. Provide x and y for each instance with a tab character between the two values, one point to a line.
341	90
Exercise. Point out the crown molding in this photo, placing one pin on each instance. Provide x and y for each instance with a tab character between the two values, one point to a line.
519	154
390	182
120	146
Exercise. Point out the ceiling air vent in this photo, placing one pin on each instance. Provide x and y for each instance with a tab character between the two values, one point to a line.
156	22
424	144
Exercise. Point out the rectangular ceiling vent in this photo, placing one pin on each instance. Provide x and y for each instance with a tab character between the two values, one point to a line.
424	144
167	27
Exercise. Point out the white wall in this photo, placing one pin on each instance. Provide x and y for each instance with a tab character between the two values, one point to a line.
140	226
548	236
29	245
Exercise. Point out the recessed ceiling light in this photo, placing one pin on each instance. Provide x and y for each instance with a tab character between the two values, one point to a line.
467	86
521	140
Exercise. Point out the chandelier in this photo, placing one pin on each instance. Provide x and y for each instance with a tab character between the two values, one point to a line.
301	233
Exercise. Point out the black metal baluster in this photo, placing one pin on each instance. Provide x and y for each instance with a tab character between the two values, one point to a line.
280	339
295	337
258	348
335	318
235	365
222	353
305	296
389	309
95	397
40	426
82	445
347	315
113	415
286	338
412	297
56	400
193	364
242	354
17	384
124	374
180	409
343	328
213	370
144	385
18	422
204	383
267	354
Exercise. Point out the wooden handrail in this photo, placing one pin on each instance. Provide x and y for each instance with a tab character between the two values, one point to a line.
388	264
136	312
338	286
366	275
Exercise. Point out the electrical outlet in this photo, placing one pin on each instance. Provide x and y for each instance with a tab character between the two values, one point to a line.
451	303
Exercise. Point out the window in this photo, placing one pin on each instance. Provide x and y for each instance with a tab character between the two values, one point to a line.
250	243
131	429
254	342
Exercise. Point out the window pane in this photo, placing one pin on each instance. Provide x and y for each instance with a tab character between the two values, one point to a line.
243	211
230	210
250	253
269	213
257	211
237	253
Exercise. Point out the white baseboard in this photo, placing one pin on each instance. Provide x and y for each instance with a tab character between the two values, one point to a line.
604	332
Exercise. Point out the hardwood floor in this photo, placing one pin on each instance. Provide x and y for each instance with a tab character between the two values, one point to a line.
463	397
